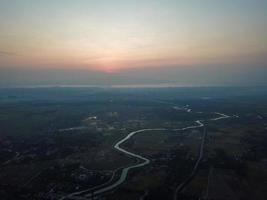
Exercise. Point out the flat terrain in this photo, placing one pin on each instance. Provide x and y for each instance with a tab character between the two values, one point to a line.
59	143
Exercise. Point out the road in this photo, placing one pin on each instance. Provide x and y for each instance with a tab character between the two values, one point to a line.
181	186
194	171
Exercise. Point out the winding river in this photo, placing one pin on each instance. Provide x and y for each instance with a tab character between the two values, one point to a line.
144	161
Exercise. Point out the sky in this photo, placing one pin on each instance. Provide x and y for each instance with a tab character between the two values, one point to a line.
181	42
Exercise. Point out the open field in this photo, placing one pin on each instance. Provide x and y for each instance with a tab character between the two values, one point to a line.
55	145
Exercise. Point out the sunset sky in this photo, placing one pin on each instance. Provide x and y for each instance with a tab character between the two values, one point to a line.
184	42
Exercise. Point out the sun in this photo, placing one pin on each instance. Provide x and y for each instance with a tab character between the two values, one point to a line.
110	70
107	65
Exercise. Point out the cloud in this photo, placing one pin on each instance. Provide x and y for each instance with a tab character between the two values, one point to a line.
7	53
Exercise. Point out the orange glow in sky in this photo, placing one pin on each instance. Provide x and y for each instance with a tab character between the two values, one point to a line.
118	35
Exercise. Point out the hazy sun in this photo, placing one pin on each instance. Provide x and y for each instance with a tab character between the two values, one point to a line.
110	70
